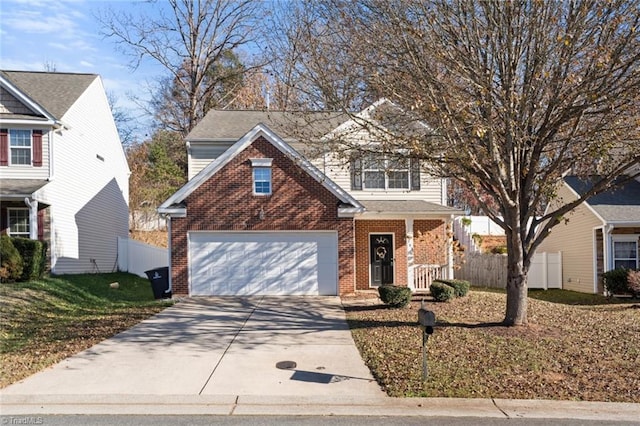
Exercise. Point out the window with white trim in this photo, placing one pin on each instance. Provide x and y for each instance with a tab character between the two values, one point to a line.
371	172
261	176
625	252
19	225
20	147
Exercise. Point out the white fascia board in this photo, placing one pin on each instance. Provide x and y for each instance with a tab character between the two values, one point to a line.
348	211
33	105
173	211
585	202
33	123
624	224
241	145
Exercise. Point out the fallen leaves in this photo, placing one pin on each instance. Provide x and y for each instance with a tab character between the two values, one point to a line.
572	352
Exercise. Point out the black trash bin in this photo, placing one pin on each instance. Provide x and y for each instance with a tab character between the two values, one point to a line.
159	279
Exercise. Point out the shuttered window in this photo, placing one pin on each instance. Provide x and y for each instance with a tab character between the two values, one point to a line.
20	147
381	173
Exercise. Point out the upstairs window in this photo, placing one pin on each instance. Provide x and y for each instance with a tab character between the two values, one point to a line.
18	222
20	146
261	176
381	173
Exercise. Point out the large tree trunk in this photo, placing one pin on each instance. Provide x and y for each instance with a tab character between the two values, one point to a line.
516	282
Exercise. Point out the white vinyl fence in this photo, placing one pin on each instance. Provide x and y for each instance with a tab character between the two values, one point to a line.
136	257
480	225
490	270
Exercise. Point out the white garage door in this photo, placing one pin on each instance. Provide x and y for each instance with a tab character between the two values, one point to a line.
263	263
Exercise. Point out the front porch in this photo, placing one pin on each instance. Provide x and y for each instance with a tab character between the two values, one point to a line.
616	246
410	247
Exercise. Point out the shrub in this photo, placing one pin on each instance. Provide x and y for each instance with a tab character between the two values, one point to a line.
633	282
11	263
34	257
442	292
615	281
460	287
499	250
395	296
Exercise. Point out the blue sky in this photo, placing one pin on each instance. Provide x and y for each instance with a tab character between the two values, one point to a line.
64	33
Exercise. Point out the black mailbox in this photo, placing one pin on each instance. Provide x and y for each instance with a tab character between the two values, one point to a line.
426	318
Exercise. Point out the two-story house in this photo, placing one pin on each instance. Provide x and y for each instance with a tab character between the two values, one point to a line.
258	216
64	177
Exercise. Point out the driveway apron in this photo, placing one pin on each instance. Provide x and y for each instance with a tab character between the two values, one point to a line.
271	346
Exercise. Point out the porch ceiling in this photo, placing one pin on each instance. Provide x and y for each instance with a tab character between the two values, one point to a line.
20	188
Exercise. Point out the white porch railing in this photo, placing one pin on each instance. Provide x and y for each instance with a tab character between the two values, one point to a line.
423	275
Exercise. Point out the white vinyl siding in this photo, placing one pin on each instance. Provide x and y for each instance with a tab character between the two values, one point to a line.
431	188
575	239
88	195
200	154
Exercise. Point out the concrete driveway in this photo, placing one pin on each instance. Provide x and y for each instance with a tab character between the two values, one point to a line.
220	346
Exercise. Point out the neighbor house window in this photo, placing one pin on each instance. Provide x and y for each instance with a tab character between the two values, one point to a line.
625	253
18	222
20	147
261	176
381	173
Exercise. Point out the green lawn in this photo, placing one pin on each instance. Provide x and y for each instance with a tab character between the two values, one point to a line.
44	321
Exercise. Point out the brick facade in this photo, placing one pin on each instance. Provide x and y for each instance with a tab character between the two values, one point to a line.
225	202
429	245
366	227
429	242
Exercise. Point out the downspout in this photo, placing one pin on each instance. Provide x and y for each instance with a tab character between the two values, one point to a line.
33	218
167	218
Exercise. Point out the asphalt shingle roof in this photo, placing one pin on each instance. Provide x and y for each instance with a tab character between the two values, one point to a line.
621	204
407	207
233	124
55	92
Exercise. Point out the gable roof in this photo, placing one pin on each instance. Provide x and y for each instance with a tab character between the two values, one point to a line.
621	204
52	91
350	204
234	124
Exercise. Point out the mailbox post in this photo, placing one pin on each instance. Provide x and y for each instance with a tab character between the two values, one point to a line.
427	320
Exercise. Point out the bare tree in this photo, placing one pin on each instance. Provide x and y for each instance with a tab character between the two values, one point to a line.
187	40
125	123
514	95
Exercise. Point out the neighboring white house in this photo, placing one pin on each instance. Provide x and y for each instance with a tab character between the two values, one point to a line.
64	176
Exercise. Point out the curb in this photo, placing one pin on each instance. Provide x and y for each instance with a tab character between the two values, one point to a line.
314	406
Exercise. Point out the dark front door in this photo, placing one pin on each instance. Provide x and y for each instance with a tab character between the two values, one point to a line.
381	259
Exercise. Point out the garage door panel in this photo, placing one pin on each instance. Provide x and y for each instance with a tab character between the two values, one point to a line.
245	263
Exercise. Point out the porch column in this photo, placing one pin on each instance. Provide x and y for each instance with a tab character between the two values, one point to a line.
449	238
607	247
33	218
408	226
